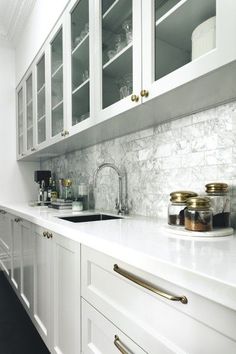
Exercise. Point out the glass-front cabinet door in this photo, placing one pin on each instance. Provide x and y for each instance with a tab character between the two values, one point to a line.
20	122
41	101
119	47
80	43
57	79
186	39
29	114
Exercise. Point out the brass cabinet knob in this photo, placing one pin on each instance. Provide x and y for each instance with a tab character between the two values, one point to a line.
62	134
134	98
144	93
33	149
66	132
49	235
45	233
17	219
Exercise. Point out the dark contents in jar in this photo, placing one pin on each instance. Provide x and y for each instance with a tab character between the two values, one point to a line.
177	219
221	220
194	222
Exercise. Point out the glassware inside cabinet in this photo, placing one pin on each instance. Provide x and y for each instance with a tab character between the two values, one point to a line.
20	121
29	111
184	31
80	62
117	53
57	84
41	118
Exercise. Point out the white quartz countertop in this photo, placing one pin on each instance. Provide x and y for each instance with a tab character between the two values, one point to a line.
204	266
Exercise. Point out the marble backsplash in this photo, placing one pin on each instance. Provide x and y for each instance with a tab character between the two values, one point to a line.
181	154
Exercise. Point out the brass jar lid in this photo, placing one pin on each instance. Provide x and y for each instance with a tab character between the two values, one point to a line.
67	182
200	203
181	196
216	187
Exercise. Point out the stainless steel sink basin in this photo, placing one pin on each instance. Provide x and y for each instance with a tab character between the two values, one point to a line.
89	217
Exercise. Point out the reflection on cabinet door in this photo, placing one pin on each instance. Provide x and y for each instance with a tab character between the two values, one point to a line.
16	252
42	249
100	335
27	285
65	296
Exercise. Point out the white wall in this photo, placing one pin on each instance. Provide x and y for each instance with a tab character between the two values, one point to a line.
16	179
40	22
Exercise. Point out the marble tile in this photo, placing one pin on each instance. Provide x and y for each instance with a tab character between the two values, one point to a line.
180	154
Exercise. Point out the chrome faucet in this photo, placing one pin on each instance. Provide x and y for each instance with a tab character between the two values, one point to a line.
121	206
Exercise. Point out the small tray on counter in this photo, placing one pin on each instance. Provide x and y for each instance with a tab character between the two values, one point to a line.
228	231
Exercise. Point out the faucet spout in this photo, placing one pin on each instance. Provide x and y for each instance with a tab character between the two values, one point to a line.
119	204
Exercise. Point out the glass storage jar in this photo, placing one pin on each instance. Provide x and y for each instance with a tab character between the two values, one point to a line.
67	189
198	214
220	202
177	205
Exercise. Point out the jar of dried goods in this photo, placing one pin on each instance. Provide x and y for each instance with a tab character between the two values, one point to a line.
177	205
198	214
220	202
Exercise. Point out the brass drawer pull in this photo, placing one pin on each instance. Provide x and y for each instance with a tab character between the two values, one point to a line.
119	345
49	235
150	287
45	234
134	98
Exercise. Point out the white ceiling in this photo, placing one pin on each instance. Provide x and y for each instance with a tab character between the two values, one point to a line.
13	14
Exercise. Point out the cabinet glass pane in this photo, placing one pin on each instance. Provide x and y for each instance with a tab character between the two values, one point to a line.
184	30
80	62
41	121
57	84
29	112
20	121
117	53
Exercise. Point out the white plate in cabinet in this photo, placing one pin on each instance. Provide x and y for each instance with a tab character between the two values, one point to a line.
154	322
100	335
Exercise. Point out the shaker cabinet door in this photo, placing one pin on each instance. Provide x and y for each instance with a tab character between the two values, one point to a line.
118	60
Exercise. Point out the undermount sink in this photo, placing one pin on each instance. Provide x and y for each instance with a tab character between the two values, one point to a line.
90	217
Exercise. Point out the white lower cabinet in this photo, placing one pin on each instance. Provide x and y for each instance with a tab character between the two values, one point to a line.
65	296
101	336
5	238
16	224
42	282
133	301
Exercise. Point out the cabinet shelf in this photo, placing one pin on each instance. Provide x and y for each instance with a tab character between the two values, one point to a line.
57	71
85	41
41	89
80	87
118	65
116	14
57	105
190	12
41	118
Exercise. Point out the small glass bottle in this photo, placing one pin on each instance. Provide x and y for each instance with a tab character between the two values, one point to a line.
198	214
177	205
220	202
67	189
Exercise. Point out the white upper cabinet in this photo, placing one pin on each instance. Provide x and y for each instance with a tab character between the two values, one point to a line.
118	49
20	122
41	100
80	68
105	57
183	40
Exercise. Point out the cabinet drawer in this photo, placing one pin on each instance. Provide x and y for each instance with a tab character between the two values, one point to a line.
154	322
100	335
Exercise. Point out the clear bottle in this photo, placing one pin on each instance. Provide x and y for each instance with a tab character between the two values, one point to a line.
67	189
177	206
220	202
198	214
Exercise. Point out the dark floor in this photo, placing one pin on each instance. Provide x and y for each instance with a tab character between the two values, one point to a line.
17	333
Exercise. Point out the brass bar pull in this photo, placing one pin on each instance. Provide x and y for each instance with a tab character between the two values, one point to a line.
119	345
150	287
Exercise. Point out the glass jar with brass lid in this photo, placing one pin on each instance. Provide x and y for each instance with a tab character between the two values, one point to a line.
220	202
198	214
177	205
67	189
